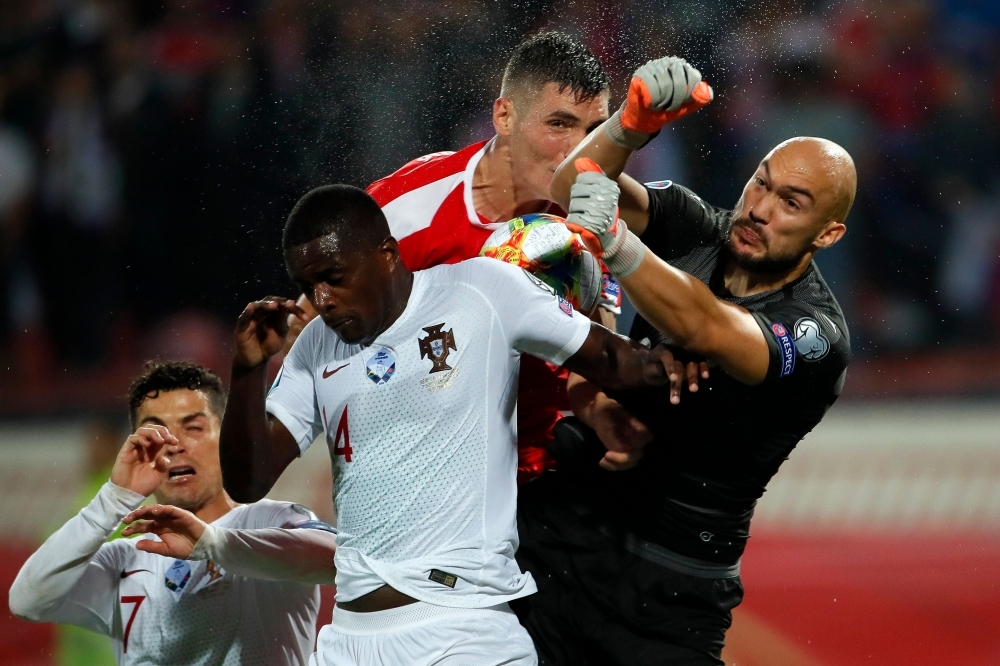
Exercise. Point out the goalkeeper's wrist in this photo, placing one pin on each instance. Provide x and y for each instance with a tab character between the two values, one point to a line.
627	256
622	137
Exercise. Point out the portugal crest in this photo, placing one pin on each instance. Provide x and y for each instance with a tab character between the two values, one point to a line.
436	345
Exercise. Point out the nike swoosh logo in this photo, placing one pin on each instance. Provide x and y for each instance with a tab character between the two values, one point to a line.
330	373
126	574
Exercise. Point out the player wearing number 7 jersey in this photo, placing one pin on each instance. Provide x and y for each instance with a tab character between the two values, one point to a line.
245	594
412	378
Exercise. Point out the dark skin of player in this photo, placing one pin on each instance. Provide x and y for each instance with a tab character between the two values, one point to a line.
359	292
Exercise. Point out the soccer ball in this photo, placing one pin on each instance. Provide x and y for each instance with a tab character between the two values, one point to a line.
545	247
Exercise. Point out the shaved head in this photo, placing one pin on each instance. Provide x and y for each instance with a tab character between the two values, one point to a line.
793	206
831	166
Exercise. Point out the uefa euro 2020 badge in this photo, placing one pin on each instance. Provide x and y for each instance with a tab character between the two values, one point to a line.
381	366
177	577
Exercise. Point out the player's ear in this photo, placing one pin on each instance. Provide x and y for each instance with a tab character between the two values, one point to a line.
503	115
390	250
831	233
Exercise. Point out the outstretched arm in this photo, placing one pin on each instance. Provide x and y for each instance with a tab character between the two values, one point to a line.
296	554
73	577
622	434
684	308
634	200
617	363
536	321
674	302
255	448
660	92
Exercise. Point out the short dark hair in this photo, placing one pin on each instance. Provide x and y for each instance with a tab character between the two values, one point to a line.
162	376
555	57
347	210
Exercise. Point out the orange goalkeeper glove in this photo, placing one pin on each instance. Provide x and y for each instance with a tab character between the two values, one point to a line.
660	92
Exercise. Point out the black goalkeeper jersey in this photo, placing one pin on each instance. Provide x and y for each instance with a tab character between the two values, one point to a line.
694	491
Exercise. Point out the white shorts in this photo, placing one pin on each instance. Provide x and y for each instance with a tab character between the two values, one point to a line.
421	634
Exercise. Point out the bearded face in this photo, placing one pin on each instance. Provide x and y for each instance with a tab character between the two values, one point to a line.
782	214
750	248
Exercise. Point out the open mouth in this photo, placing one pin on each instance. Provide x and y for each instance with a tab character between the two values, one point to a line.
181	472
748	235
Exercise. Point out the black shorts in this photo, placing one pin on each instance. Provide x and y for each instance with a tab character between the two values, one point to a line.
599	603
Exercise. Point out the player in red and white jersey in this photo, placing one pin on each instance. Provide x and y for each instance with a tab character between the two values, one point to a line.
245	593
442	207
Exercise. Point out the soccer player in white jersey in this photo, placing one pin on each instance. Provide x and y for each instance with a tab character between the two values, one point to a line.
161	610
412	379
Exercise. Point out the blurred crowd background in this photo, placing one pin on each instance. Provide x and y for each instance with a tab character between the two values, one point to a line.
149	152
151	149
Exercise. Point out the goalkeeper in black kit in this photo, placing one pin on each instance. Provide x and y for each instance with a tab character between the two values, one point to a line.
638	558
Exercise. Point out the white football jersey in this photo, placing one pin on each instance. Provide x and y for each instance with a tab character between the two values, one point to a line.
421	431
158	610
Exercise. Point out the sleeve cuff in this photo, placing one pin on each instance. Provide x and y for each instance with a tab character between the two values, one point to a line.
207	544
625	138
111	504
303	436
627	257
574	344
127	497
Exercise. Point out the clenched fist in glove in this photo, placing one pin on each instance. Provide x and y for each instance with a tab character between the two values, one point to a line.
593	213
660	92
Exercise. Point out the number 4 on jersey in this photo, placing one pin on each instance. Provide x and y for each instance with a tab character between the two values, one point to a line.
342	440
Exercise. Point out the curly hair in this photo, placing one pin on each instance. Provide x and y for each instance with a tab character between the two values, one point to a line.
161	376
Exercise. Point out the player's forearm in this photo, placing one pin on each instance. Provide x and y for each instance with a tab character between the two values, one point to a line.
633	202
685	309
598	147
50	574
582	395
672	301
245	447
279	554
616	363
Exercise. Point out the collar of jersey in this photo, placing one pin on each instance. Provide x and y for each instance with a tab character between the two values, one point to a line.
470	173
415	294
716	283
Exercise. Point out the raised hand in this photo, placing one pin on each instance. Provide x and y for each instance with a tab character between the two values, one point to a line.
662	91
142	463
179	530
298	322
262	329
